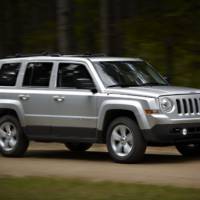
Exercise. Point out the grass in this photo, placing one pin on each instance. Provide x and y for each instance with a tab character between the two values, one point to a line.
35	188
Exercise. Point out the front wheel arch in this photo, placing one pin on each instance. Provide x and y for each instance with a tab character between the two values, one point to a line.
114	114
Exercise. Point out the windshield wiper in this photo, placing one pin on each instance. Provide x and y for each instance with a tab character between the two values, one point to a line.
121	85
140	85
152	84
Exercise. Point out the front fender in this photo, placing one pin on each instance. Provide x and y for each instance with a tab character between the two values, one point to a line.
129	105
15	106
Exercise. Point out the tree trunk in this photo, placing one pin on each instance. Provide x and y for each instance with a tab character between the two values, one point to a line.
65	26
169	46
115	37
104	27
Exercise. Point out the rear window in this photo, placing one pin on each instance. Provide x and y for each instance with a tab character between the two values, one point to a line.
8	74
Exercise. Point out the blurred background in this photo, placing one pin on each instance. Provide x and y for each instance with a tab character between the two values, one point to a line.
164	32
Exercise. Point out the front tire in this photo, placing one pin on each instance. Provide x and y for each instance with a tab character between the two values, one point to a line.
78	146
125	142
13	142
189	149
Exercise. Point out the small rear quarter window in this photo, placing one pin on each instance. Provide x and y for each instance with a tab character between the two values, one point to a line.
9	73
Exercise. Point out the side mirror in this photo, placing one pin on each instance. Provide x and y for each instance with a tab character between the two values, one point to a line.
94	90
166	78
86	83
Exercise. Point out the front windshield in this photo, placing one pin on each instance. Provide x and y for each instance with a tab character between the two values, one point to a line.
128	74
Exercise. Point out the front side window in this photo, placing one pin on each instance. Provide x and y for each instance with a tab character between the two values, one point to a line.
38	74
74	75
128	74
8	74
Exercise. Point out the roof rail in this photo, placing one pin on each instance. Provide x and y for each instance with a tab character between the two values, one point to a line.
87	55
19	55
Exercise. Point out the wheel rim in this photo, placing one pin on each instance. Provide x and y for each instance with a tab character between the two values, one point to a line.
122	140
8	136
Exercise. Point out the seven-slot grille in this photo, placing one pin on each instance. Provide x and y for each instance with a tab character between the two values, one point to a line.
188	105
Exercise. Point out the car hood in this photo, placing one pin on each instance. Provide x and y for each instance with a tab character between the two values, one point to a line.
153	91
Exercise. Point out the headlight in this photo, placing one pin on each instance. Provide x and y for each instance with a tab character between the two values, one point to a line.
166	104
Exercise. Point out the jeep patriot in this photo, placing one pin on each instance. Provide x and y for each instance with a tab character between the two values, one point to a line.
79	100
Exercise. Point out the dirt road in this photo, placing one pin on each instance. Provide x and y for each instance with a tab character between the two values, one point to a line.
160	166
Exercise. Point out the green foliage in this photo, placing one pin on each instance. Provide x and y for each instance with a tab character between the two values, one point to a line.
165	32
30	188
86	25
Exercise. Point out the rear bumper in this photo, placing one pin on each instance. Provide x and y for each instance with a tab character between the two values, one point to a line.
170	134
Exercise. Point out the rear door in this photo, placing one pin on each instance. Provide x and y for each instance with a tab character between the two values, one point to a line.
35	97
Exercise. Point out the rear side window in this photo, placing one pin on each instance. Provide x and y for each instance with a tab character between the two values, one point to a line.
8	74
38	74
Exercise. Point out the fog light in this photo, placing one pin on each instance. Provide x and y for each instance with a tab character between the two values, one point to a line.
184	131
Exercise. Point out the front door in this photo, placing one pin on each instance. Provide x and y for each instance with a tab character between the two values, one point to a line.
73	106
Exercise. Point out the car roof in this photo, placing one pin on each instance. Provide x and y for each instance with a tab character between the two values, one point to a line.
101	59
69	57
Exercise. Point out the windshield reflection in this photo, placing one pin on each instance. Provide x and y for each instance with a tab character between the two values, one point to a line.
128	74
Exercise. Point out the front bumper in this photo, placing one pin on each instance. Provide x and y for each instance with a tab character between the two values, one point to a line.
170	134
163	119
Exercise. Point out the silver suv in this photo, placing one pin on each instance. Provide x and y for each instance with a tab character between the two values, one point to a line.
82	100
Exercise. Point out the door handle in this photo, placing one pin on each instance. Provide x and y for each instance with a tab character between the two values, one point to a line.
59	98
24	97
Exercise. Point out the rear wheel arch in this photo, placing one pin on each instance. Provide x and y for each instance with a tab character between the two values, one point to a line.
8	111
14	108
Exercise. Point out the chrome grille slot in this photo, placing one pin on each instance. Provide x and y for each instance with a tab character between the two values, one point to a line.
187	106
191	106
178	103
196	105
